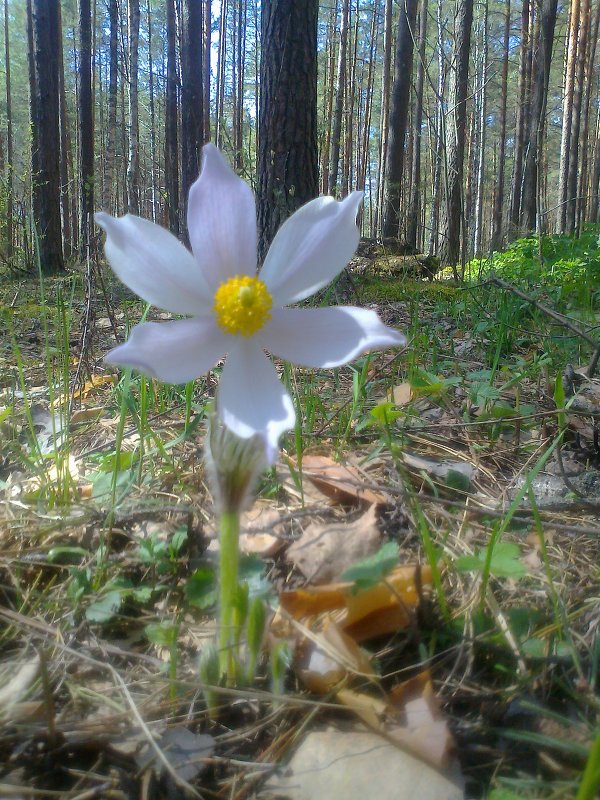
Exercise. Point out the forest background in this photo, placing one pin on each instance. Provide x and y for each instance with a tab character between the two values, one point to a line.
466	124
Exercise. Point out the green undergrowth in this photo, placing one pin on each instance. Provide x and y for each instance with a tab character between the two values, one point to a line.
566	267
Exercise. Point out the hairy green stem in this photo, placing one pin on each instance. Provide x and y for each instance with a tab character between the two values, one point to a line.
229	526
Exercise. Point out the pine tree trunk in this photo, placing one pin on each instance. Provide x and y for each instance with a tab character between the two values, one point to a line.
414	203
574	164
386	83
453	219
109	183
86	125
171	138
567	117
10	163
499	187
478	233
399	117
153	156
192	112
288	157
46	168
338	106
584	189
133	162
206	68
531	212
522	115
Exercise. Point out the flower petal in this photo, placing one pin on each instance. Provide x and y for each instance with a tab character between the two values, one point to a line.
251	398
154	264
311	248
222	220
173	352
326	337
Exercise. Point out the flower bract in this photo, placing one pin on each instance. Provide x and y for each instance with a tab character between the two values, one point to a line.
233	309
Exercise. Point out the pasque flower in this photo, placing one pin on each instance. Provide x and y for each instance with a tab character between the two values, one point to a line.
230	307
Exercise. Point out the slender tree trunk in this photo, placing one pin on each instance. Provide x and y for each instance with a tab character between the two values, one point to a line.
86	125
206	68
522	115
414	204
171	137
399	117
499	188
192	112
478	233
440	137
133	162
386	83
153	154
288	157
338	109
531	211
8	230
109	183
565	144
584	182
46	173
220	88
328	99
453	221
574	163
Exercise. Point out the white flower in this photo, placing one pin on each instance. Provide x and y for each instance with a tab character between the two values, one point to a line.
231	309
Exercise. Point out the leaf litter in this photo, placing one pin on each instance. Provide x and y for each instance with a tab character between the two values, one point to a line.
363	630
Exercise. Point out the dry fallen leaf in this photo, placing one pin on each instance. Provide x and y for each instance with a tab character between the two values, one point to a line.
409	716
343	484
327	658
401	395
323	552
379	610
255	539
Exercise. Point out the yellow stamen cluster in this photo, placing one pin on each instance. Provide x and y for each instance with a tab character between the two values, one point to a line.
242	305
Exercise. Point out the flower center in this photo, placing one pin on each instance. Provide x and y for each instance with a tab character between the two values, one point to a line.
242	305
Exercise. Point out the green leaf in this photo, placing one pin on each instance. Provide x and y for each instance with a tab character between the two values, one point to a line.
455	479
105	608
385	413
371	570
66	554
163	634
201	588
505	561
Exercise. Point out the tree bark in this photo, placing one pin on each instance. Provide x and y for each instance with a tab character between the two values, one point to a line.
8	230
288	157
522	114
338	106
171	137
192	111
46	168
113	16
86	125
573	201
399	117
133	163
414	203
499	187
542	59
567	116
453	219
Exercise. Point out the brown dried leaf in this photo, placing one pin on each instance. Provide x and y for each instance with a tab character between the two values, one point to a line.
255	539
376	611
343	484
401	395
325	660
323	552
409	716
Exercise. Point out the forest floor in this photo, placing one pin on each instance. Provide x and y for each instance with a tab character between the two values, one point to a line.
464	469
